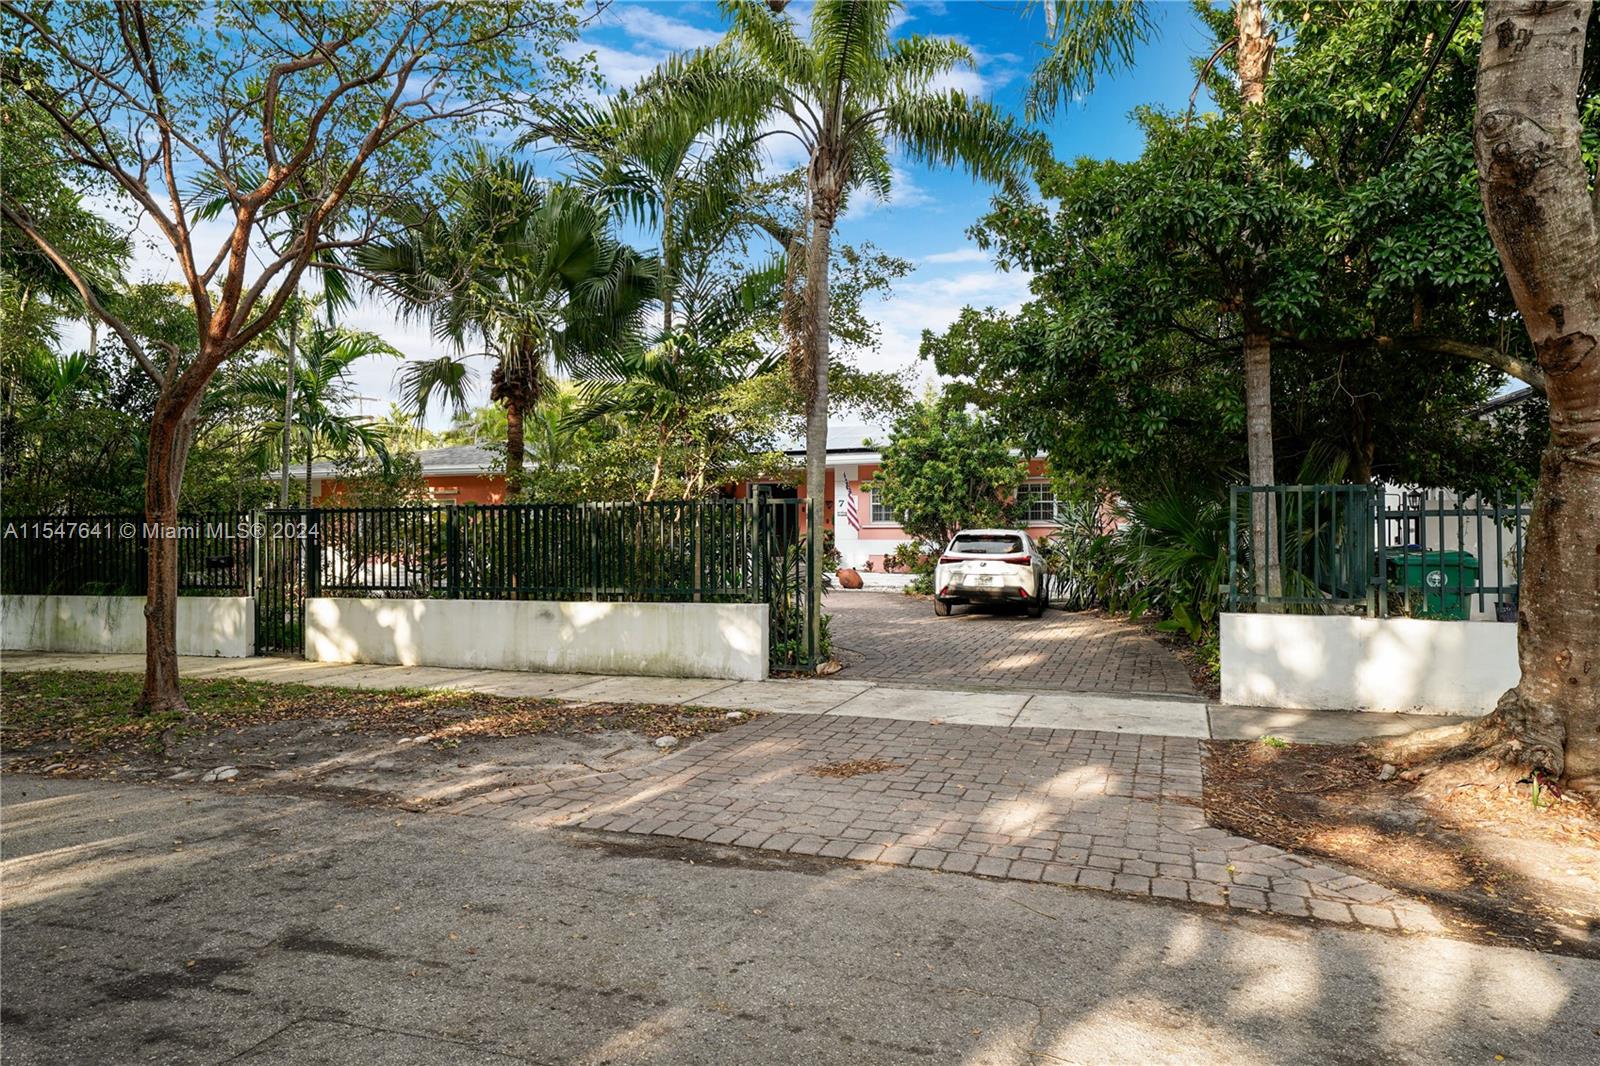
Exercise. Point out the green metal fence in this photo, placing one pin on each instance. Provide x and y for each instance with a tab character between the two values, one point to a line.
106	555
1375	549
701	551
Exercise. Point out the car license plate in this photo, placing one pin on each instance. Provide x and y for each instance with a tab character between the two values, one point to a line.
981	579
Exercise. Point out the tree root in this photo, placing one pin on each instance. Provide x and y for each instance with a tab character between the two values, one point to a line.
1516	743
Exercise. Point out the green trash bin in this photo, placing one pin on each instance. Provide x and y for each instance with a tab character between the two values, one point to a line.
1436	584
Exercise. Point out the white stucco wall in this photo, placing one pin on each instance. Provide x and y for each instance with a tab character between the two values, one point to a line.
1368	664
660	639
207	625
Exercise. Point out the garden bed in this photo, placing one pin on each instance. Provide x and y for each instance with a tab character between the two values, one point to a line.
1495	866
412	749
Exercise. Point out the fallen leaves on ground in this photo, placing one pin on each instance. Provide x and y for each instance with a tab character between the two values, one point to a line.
1502	868
89	714
854	768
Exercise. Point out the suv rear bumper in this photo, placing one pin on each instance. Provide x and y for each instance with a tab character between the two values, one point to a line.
1011	589
1003	594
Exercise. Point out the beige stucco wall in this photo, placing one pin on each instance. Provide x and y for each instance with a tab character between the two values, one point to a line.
728	640
207	625
1367	664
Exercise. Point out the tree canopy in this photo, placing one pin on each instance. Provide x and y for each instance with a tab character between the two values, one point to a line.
1386	306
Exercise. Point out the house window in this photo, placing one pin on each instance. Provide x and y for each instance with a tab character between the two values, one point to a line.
878	514
1038	501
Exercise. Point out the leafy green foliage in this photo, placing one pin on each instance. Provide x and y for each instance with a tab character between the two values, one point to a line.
529	270
378	479
945	469
323	392
1165	555
1354	230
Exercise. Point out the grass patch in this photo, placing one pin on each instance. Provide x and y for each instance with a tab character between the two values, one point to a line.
88	712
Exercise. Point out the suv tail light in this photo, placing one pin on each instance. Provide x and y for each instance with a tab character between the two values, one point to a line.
1020	560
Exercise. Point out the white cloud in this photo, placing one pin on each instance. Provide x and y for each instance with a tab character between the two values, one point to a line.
960	255
621	69
933	303
970	82
903	192
640	21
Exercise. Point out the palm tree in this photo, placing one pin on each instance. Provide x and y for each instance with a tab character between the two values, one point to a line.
677	385
847	95
530	270
322	392
683	169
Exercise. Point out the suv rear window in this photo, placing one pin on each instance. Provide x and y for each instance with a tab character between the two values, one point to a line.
972	544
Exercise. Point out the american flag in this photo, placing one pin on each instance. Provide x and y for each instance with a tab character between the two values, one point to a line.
850	512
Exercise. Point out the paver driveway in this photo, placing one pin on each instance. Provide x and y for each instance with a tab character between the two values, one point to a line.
881	636
1071	807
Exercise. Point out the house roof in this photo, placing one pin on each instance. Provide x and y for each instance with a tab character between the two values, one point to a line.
1504	400
456	459
852	441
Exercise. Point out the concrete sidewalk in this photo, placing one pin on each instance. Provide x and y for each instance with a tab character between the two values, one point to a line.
1146	716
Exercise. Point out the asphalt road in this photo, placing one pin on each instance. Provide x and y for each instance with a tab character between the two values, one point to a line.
143	924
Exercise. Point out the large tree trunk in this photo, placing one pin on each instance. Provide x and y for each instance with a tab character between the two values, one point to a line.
171	433
1255	49
824	207
517	384
1544	222
1545	226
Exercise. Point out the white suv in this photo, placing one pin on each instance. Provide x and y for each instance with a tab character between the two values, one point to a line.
991	566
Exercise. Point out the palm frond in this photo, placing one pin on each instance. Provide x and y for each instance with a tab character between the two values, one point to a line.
421	380
1092	38
949	129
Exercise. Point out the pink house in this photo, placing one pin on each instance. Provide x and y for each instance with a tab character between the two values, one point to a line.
469	474
870	531
461	473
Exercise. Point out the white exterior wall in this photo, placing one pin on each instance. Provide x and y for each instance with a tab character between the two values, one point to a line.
855	549
207	625
845	536
1345	662
660	639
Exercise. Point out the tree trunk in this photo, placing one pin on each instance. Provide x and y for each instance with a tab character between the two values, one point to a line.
1254	50
662	434
1255	59
171	433
1264	546
824	208
1546	227
288	412
668	280
515	449
517	384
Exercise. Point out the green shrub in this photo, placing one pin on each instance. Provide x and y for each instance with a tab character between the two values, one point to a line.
1168	557
915	560
1081	557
